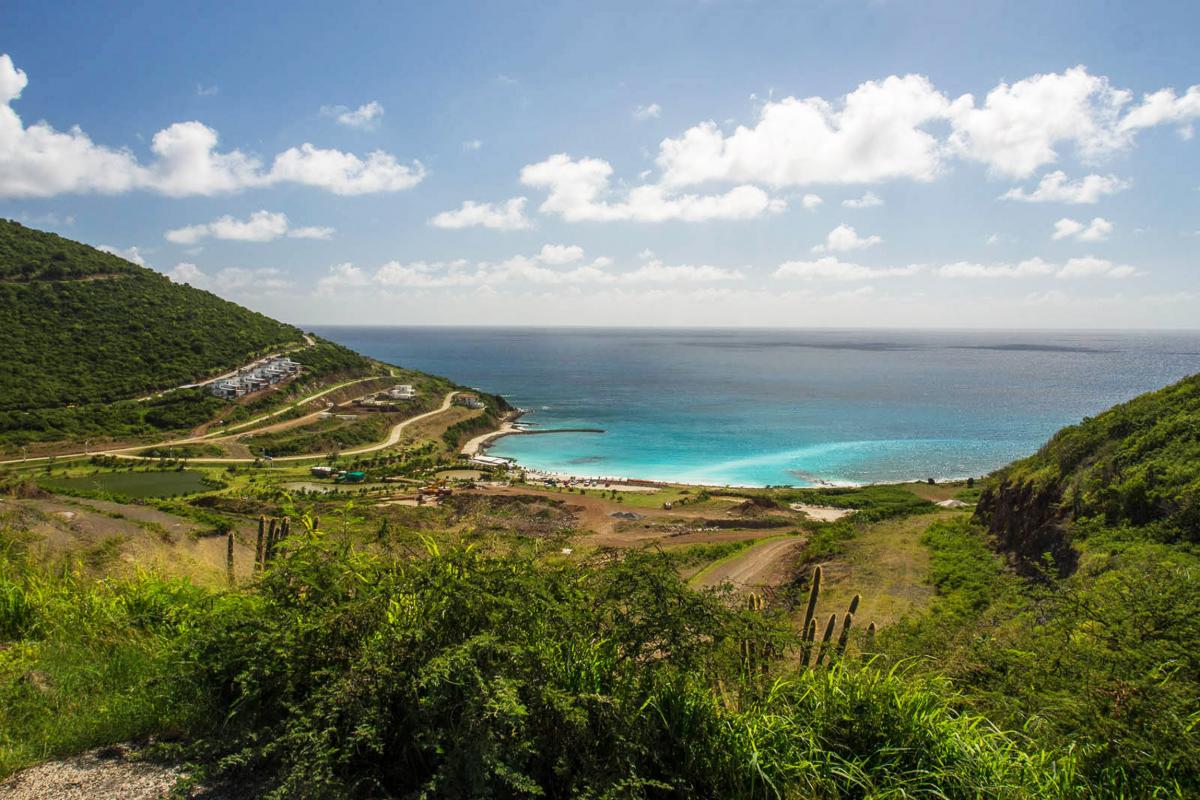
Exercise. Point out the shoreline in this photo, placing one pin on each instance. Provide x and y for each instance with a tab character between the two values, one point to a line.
479	446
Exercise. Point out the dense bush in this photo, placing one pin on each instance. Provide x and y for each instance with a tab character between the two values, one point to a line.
871	503
343	674
326	358
321	437
469	676
175	411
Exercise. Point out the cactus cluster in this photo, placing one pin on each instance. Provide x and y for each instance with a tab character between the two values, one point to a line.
270	533
825	648
756	655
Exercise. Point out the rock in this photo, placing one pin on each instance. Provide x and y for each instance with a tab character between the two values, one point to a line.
1026	522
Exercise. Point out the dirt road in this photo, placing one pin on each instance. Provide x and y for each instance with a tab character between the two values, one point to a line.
764	564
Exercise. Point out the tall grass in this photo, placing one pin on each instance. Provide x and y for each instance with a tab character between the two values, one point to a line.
84	662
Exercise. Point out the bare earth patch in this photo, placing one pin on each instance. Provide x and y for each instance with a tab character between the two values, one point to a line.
821	513
765	564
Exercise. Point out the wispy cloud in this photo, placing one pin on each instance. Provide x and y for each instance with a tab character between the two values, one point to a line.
366	117
651	111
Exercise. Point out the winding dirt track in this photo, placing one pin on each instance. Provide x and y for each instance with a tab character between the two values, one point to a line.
761	565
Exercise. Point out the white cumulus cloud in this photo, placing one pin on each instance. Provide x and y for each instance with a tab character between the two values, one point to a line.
872	134
560	253
844	238
868	200
39	161
260	226
185	272
893	129
345	173
651	111
811	201
553	265
1097	230
365	117
579	191
1088	266
131	254
1029	268
506	216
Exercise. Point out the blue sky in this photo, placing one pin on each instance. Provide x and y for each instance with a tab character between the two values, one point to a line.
692	163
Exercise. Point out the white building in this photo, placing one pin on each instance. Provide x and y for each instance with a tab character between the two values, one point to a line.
468	400
402	391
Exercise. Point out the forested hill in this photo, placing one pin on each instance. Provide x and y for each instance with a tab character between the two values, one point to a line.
78	326
1134	468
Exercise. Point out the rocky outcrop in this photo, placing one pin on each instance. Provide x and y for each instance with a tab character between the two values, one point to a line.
1028	523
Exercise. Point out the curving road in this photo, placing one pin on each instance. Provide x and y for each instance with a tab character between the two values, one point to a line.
127	452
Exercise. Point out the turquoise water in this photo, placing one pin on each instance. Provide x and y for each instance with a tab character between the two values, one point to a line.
764	407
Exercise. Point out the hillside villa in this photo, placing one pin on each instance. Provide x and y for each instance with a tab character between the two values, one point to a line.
254	378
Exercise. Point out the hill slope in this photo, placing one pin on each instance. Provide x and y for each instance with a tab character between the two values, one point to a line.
78	325
1135	466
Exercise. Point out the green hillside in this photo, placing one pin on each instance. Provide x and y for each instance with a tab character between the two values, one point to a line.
81	326
1082	629
1135	467
1136	464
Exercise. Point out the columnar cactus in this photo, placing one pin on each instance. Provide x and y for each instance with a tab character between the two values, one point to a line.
808	631
229	557
259	546
829	626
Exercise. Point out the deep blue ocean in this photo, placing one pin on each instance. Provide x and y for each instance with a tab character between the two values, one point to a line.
759	407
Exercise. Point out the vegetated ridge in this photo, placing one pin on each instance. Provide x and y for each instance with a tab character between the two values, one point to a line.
78	325
90	340
1135	466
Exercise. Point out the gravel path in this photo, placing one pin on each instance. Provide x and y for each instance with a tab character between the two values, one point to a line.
108	773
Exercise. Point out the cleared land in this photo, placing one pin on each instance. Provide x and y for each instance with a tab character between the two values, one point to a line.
886	564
